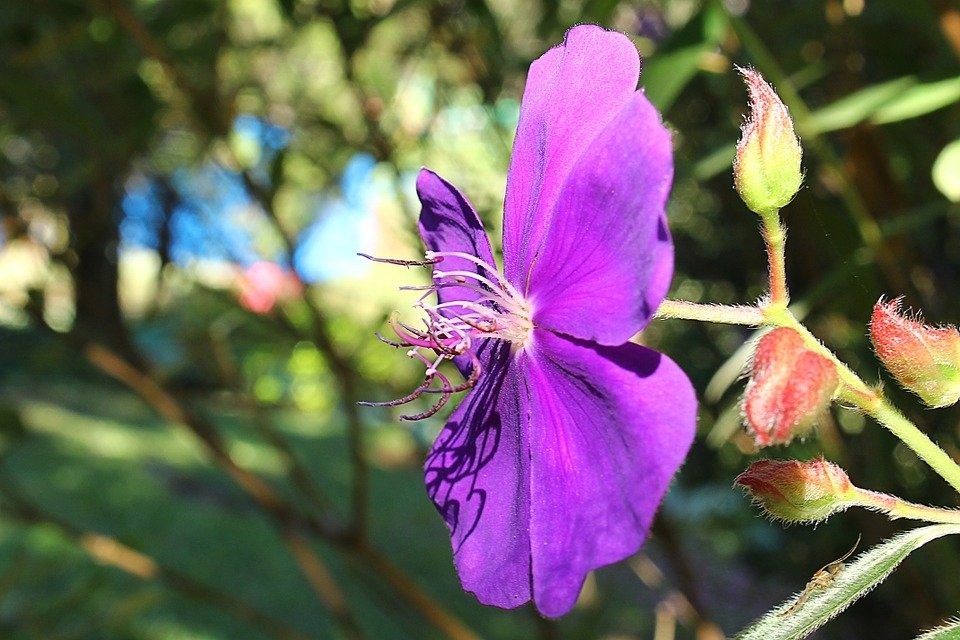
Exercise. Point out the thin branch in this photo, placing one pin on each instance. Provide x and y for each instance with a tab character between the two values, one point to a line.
109	551
352	540
288	520
260	420
439	617
343	372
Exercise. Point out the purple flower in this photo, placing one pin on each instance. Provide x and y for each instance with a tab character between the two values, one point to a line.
557	459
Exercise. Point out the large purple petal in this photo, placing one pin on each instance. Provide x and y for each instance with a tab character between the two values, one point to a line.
608	428
605	263
477	475
448	222
573	92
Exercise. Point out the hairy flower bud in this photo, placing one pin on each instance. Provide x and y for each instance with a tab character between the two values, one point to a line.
790	386
924	359
795	491
766	169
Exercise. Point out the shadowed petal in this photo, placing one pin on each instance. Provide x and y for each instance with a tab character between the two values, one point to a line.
477	476
448	222
609	426
573	91
605	262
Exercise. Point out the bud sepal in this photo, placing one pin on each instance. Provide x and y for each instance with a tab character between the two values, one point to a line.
790	387
766	169
922	358
795	491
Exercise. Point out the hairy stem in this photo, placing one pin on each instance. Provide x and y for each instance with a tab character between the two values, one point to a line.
887	415
775	237
718	313
853	390
898	508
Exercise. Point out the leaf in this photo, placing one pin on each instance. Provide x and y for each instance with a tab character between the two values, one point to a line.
946	171
860	576
892	101
666	73
919	100
949	631
856	107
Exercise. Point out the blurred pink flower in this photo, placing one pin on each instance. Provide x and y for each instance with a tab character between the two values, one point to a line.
263	284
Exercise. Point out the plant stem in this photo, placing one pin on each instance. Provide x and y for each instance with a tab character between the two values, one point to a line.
718	313
775	237
853	390
898	508
887	415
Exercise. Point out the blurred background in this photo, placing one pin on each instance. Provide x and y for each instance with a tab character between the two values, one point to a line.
185	326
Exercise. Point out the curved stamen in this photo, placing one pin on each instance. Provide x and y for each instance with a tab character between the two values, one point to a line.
404	263
451	327
430	255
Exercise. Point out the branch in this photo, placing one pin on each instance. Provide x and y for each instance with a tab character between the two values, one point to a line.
109	551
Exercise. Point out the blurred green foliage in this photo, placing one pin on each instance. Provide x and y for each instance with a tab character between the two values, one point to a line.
96	94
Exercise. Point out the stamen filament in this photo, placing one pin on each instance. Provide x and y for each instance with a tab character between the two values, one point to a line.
430	255
451	327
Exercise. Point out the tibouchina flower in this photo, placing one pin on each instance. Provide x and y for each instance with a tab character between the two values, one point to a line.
557	459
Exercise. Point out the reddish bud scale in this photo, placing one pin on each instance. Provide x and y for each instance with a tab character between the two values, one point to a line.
924	359
795	491
790	385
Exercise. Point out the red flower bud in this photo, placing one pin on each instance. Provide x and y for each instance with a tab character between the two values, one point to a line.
795	491
924	359
766	170
790	386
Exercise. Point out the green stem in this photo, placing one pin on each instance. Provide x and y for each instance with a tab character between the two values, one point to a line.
871	401
718	313
887	415
898	508
853	390
775	237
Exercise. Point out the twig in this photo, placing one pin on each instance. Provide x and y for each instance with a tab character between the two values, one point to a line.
260	420
107	550
435	614
288	520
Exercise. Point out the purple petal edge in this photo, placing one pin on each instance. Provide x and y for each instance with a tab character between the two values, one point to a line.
573	91
477	474
609	427
605	262
448	222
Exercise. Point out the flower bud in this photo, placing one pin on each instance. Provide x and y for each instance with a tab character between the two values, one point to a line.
924	359
790	386
795	491
766	170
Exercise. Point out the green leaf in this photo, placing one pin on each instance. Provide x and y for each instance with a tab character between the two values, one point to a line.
949	631
946	171
860	576
670	69
892	101
919	100
856	107
665	75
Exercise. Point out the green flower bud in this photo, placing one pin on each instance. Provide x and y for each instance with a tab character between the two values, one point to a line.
795	491
766	170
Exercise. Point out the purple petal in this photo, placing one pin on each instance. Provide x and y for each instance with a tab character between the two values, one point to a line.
477	476
609	426
573	92
448	222
605	263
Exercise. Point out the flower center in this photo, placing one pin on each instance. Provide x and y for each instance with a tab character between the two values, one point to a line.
490	307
